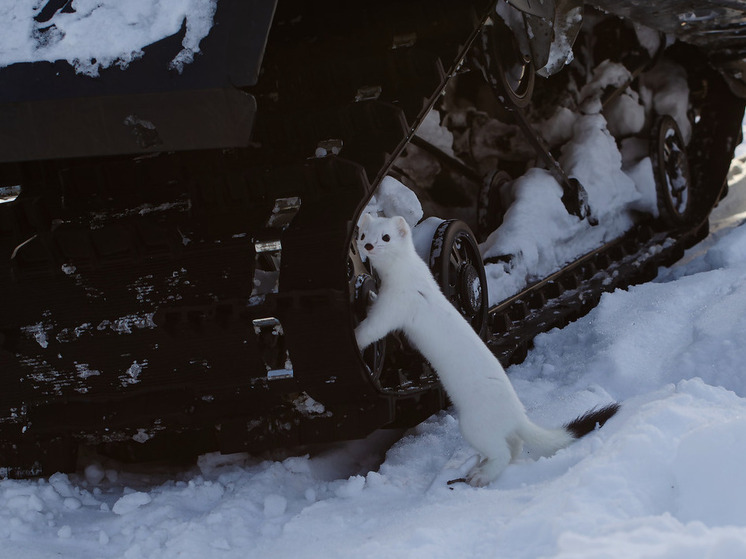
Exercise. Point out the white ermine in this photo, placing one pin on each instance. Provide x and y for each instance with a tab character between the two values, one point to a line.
491	417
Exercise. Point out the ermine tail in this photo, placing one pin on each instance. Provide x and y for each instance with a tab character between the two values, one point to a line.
588	421
545	442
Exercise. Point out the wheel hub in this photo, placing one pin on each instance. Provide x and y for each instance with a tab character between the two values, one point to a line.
469	289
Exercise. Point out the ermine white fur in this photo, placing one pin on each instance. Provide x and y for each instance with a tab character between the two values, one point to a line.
491	417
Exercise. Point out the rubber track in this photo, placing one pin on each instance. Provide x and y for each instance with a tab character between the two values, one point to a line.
571	292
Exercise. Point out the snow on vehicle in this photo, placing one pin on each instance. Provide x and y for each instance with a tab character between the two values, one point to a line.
177	217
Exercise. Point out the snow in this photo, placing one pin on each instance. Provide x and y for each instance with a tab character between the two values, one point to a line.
649	38
663	479
538	236
95	34
439	136
626	114
603	143
392	198
666	82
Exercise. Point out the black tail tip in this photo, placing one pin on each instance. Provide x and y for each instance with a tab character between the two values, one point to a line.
591	420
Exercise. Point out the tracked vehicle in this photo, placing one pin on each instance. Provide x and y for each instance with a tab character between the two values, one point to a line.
179	271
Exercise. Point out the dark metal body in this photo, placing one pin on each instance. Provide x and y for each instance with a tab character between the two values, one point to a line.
133	309
48	111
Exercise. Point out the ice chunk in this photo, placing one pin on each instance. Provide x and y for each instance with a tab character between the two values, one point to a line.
130	503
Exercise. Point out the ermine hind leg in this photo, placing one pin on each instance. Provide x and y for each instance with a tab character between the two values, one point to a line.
516	447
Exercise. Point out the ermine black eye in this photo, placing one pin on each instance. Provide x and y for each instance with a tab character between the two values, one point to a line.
362	237
386	238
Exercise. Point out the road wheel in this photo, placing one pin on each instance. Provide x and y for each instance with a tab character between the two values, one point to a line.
671	169
457	267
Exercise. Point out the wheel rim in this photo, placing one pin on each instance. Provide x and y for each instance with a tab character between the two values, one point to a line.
671	166
513	69
457	267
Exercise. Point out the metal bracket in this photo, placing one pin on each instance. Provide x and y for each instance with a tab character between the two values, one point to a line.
9	193
271	338
268	248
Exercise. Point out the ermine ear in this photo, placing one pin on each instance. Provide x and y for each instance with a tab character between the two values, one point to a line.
364	220
401	226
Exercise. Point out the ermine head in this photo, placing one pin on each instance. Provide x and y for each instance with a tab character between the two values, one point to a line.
381	238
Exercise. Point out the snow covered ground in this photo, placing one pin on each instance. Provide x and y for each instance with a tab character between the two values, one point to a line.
663	479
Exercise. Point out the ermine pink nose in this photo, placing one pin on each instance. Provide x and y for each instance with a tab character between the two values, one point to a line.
368	246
